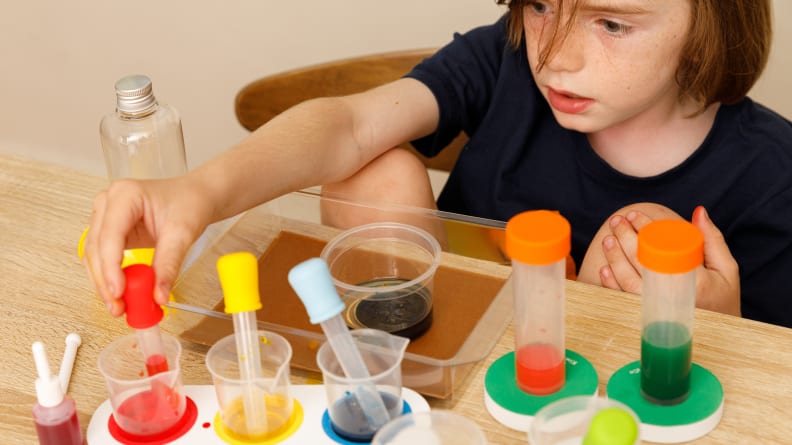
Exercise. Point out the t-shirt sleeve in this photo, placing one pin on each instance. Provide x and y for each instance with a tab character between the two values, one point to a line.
462	76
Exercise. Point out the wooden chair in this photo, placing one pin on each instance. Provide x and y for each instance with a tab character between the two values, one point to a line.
263	99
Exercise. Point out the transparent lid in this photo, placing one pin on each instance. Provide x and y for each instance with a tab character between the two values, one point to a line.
134	94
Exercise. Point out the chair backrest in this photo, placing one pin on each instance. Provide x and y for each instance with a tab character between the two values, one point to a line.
263	99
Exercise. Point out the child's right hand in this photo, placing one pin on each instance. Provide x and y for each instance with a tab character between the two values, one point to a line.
167	214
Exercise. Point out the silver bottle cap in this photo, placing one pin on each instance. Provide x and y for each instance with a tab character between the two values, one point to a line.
134	94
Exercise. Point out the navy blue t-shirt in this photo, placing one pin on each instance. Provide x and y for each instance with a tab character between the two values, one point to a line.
519	158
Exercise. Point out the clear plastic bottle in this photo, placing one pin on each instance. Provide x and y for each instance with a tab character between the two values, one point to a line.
669	252
538	243
142	138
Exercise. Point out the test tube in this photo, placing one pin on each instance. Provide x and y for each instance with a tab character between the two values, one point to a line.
238	274
143	314
538	242
669	252
312	282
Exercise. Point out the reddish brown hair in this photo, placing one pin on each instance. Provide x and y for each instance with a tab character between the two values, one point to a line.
726	50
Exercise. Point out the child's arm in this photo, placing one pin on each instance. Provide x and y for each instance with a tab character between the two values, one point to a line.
317	142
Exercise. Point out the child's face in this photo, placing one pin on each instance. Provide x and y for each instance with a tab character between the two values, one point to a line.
617	62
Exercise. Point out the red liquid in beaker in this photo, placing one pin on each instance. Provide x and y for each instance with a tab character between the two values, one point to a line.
541	369
150	412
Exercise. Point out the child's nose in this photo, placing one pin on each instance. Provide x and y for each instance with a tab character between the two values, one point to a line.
568	53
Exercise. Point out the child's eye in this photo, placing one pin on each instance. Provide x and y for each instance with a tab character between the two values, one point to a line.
538	8
615	28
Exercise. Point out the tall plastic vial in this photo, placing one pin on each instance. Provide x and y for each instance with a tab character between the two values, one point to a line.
669	252
538	243
142	138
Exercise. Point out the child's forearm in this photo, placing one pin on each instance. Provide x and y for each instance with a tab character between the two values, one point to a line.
310	144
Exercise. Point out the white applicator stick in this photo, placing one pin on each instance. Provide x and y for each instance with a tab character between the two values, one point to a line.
73	342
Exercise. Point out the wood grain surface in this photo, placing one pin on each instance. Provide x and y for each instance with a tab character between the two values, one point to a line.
46	294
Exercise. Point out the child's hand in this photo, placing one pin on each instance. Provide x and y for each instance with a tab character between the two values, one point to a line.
717	281
166	214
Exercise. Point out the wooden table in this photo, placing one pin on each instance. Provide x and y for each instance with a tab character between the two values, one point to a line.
46	294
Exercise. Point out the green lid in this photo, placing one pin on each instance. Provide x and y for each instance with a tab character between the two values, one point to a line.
612	426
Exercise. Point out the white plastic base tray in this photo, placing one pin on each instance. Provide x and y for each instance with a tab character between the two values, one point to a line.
312	399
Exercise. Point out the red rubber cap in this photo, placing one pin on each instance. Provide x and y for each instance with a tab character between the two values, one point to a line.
141	310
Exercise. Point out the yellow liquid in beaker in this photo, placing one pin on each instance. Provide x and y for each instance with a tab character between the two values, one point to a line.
279	419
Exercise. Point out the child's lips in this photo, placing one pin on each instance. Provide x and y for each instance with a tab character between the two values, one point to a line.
567	102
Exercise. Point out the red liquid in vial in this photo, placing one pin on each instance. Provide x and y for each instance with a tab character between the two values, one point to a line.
155	364
541	369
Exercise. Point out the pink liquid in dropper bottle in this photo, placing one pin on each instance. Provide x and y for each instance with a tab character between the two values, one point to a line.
54	414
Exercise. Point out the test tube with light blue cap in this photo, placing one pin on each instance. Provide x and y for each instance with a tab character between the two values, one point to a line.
312	282
238	273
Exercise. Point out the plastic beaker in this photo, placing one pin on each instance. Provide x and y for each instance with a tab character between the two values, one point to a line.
587	420
435	427
382	354
384	273
143	405
223	364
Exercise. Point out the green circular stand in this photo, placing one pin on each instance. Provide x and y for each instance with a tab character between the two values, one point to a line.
695	417
514	408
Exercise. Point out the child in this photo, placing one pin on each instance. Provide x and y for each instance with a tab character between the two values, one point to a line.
612	112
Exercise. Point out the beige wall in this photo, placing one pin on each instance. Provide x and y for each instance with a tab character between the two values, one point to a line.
61	59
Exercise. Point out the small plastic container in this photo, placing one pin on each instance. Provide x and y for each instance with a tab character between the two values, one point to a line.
585	420
538	243
275	355
143	405
669	252
384	273
382	354
435	427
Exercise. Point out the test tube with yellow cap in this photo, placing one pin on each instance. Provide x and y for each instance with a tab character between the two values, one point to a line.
669	252
538	243
238	273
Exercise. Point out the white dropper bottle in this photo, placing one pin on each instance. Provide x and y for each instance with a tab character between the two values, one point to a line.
54	413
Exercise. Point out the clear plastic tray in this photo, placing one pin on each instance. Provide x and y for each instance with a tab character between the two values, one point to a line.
472	308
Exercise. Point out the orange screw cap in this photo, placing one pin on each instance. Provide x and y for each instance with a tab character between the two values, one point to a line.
670	246
538	237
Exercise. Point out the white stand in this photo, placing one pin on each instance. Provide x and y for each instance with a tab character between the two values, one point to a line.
312	398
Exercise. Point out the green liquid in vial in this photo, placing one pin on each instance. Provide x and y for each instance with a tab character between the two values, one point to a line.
666	351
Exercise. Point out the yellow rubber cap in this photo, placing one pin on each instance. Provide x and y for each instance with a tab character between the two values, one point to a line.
143	255
612	426
238	274
670	246
538	237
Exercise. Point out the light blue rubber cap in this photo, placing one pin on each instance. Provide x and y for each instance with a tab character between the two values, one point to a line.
312	281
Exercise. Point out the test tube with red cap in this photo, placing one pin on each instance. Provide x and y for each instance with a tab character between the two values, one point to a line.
538	242
143	314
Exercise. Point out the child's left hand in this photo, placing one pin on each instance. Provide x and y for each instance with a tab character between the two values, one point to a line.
717	281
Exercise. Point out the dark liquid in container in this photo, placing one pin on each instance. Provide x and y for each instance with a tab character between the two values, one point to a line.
349	422
406	313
